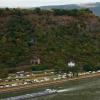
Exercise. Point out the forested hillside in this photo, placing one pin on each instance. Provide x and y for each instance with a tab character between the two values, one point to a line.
95	7
54	36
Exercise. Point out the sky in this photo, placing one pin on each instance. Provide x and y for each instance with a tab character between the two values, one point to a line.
37	3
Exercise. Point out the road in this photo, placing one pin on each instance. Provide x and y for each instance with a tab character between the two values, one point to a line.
25	87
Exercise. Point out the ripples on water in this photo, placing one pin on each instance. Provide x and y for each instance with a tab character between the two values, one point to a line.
88	90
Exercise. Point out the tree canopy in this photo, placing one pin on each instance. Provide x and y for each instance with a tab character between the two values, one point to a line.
55	36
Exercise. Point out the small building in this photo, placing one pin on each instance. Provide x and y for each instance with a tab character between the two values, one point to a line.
71	64
35	61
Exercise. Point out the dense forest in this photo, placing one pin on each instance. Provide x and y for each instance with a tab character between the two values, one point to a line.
54	36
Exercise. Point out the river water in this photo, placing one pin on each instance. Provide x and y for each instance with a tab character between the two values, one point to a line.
83	89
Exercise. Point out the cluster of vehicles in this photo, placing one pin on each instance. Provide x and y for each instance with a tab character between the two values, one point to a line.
89	72
53	77
9	83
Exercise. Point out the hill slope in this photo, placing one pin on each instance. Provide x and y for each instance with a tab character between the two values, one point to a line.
95	7
55	37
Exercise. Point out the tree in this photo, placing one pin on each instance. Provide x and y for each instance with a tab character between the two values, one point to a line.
87	68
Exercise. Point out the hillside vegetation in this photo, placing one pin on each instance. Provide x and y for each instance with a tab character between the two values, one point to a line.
54	36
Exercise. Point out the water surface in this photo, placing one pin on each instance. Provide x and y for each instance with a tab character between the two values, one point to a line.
85	89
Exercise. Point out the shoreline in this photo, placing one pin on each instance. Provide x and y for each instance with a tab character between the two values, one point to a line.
27	87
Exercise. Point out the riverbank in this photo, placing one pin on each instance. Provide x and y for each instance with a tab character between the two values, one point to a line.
27	87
